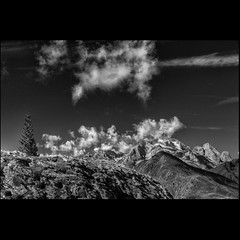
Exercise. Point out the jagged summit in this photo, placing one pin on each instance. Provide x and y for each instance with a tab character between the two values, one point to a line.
211	153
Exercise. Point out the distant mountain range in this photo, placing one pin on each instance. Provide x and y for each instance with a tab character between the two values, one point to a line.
161	169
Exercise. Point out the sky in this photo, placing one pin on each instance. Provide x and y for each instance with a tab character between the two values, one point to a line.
93	93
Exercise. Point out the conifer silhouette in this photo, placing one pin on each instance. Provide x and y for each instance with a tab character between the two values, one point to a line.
27	142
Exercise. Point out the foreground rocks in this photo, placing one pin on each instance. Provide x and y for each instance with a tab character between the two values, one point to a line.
53	178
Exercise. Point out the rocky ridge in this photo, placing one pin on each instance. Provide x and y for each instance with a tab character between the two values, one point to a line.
25	177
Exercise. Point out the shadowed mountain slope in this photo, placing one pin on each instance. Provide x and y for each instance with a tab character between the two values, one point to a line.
229	170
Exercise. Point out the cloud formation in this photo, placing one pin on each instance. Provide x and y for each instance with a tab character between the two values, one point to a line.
203	61
123	65
160	129
67	147
50	141
110	139
229	100
53	56
89	137
129	62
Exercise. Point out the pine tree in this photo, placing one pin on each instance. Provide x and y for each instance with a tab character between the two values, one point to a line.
27	142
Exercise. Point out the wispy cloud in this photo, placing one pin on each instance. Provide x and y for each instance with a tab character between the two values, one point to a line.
16	46
206	128
229	100
203	61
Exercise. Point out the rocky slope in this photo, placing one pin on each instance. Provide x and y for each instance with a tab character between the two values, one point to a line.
64	178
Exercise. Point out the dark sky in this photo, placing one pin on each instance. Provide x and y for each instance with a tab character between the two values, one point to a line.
192	94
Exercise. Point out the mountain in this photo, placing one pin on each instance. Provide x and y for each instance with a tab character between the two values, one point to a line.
229	170
182	180
180	150
153	169
60	177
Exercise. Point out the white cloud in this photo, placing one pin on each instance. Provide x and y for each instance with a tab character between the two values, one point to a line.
163	128
106	147
67	147
124	147
77	93
127	62
52	56
112	134
78	152
50	141
90	137
111	139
